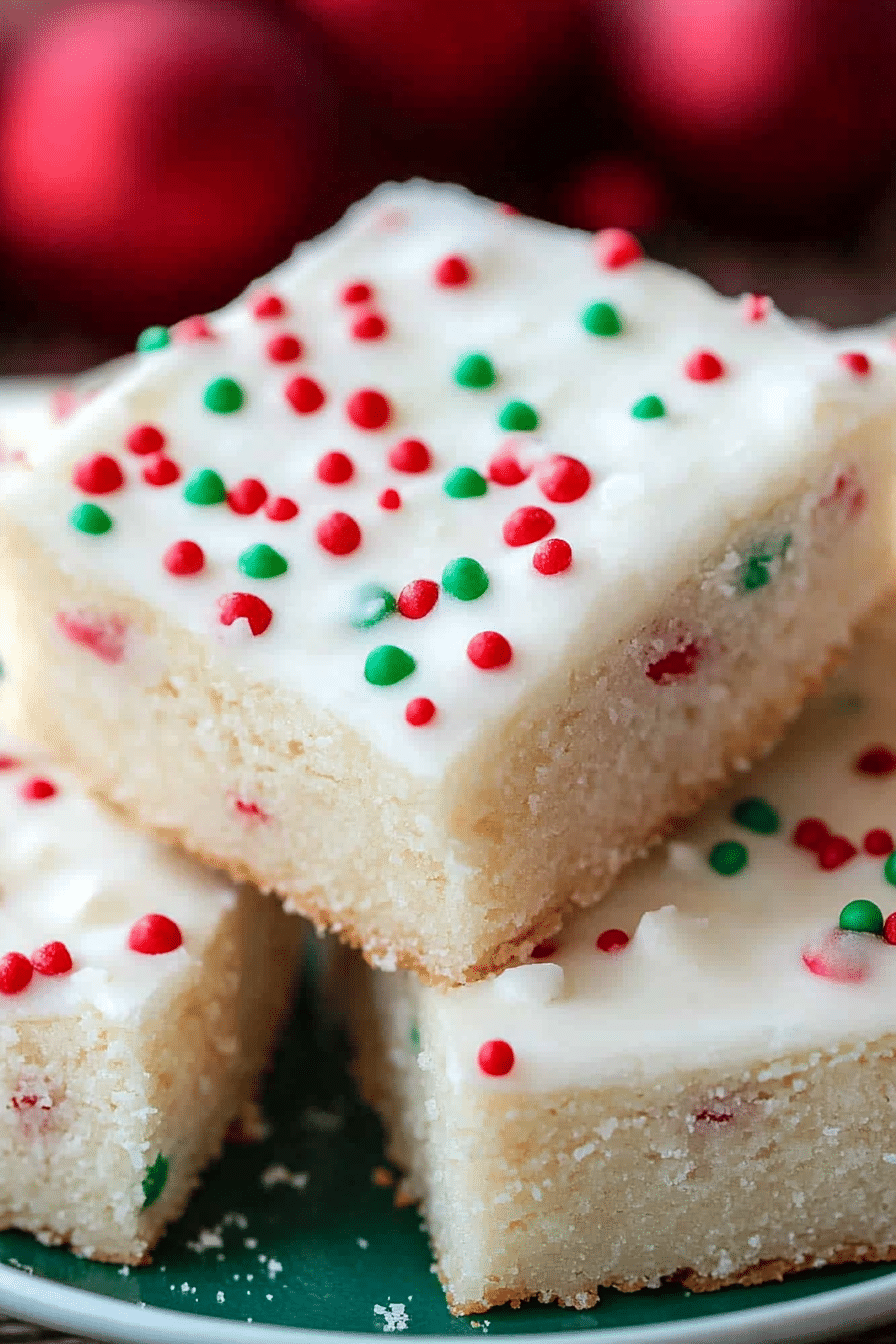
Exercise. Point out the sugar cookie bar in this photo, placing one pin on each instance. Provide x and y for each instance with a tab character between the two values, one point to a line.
140	996
427	583
693	1081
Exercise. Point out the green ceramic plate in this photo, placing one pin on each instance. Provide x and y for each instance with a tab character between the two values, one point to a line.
316	1246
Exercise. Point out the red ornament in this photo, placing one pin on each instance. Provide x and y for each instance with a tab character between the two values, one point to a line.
453	272
335	469
98	475
877	761
368	409
192	329
496	1058
488	650
526	525
417	599
370	327
304	395
890	928
505	468
612	940
756	307
281	509
411	456
811	834
613	191
356	292
145	439
615	248
183	557
245	606
284	349
52	959
835	851
676	663
247	496
15	973
878	842
703	367
37	790
419	711
390	499
563	480
856	362
552	556
163	471
154	935
546	948
267	305
339	534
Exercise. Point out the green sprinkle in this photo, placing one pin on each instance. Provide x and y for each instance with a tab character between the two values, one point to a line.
415	1036
755	574
223	396
728	857
388	664
90	518
262	562
372	604
756	815
155	1180
153	338
464	483
649	408
475	371
206	487
518	416
601	319
464	578
890	869
862	916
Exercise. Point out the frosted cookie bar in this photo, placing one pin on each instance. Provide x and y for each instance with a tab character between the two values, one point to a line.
429	581
140	996
693	1081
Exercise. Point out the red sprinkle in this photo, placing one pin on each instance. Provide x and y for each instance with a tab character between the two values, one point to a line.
98	475
236	606
9	763
878	842
335	469
368	409
703	367
496	1058
145	439
284	349
389	499
526	525
615	248
267	305
281	508
15	973
877	761
370	327
505	209
411	456
339	534
356	292
419	711
417	599
103	636
304	395
488	649
890	928
52	959
153	935
676	663
247	496
452	272
183	557
193	329
612	940
546	948
37	790
254	811
505	468
552	556
756	307
563	479
856	362
835	851
811	834
841	956
163	471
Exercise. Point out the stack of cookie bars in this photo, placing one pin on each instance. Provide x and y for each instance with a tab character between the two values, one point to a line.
427	586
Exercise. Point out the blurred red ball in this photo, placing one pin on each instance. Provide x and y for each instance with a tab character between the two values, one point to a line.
155	155
775	107
613	192
446	61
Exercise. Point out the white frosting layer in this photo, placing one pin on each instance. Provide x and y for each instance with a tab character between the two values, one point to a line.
665	493
714	974
26	416
71	872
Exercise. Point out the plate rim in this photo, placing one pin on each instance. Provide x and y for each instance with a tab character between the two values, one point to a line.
58	1306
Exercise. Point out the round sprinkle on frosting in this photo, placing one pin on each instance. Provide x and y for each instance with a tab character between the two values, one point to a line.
890	929
372	604
304	395
703	367
90	518
615	248
728	857
247	496
281	509
418	598
390	499
183	558
387	665
649	408
335	469
98	475
612	940
15	973
464	483
267	305
453	272
369	327
464	579
52	959
877	760
192	329
811	833
756	307
245	606
602	319
368	409
563	480
835	851
153	338
163	471
856	362
419	711
890	870
357	291
495	1058
37	790
411	456
518	417
284	349
552	556
154	935
862	917
205	488
144	440
755	814
505	468
223	396
527	525
262	562
339	534
489	650
878	842
475	371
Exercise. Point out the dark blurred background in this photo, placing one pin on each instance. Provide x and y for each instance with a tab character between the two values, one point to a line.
157	155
